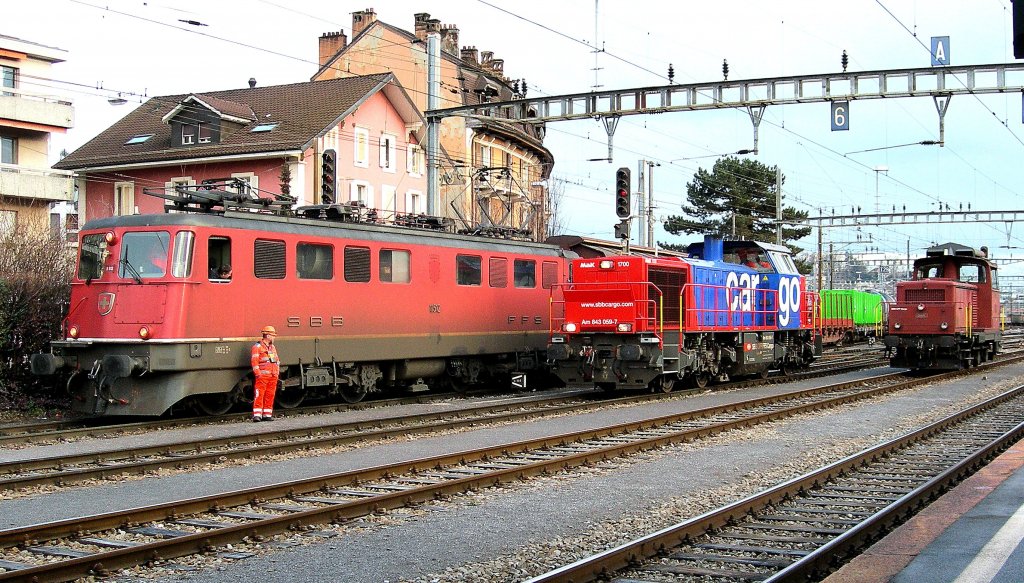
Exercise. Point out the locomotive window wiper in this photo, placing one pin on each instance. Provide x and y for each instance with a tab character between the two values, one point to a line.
134	273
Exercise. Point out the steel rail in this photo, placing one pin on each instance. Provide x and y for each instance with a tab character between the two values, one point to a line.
819	562
63	470
535	456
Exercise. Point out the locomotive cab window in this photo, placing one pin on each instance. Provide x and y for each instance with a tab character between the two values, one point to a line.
393	266
525	273
219	252
92	256
467	269
971	274
143	255
314	261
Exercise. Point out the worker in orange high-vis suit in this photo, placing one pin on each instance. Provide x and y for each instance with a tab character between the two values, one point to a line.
266	365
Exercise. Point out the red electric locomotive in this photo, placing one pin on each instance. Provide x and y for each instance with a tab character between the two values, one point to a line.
731	308
156	321
948	316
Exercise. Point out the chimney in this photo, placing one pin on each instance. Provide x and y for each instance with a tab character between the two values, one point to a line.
420	22
485	57
362	20
470	55
450	38
252	82
331	44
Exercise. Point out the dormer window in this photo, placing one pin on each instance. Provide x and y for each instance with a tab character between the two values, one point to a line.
190	133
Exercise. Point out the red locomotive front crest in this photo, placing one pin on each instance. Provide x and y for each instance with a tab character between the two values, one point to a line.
105	303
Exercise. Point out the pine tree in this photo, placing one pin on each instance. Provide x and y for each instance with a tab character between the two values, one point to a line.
736	200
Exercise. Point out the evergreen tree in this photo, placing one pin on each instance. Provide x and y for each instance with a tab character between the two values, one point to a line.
736	200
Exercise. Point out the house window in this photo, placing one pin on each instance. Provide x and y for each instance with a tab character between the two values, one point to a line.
415	162
8	150
205	133
485	156
9	79
188	135
138	139
124	198
250	186
413	201
171	186
387	152
361	192
361	154
263	127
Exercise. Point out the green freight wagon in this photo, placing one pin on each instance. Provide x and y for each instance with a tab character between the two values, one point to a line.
850	315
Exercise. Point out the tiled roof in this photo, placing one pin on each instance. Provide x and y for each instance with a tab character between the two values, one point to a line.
302	111
232	108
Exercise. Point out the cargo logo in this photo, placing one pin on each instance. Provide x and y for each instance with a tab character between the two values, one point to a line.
105	303
789	300
741	288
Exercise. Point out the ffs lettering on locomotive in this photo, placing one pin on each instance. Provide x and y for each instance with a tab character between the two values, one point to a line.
731	308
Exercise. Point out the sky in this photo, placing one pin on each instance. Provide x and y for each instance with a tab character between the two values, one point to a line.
135	49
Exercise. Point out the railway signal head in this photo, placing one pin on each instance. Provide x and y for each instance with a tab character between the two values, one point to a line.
622	194
328	176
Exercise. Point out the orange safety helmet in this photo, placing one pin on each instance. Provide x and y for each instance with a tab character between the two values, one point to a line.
269	330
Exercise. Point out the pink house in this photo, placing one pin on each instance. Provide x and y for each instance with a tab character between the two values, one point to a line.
340	140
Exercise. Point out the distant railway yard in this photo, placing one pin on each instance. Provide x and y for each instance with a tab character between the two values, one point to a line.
782	477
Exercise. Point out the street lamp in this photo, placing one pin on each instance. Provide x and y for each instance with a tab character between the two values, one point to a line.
878	169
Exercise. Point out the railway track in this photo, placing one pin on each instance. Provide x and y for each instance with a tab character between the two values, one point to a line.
805	528
98	544
52	431
66	469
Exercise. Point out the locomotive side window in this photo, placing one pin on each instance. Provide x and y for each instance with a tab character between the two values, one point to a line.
90	260
497	272
467	269
394	266
219	252
971	274
525	273
181	260
314	261
143	255
357	264
548	274
929	271
268	259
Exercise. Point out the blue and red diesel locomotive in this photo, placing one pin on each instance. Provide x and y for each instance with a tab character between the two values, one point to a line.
947	316
360	306
731	308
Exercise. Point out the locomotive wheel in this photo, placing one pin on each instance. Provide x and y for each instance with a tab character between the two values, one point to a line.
701	380
352	394
789	368
289	399
763	375
606	387
666	383
213	403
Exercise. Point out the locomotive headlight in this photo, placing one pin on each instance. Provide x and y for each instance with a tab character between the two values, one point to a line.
944	325
73	331
897	325
606	264
920	307
624	327
145	333
571	327
110	238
